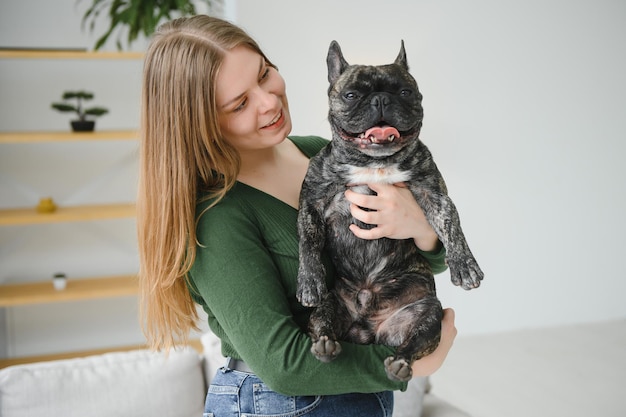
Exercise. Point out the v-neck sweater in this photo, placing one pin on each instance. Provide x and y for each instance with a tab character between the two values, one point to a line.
245	277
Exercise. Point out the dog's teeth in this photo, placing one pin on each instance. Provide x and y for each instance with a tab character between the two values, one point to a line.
391	138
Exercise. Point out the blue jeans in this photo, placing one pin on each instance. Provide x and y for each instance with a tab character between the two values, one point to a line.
239	394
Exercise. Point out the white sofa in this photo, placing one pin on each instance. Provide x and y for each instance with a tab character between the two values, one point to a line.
143	383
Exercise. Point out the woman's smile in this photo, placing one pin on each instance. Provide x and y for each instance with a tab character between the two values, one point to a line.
276	122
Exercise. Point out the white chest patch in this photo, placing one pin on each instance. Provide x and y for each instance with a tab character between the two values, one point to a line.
376	174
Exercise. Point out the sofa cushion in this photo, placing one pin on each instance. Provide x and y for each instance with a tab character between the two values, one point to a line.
122	384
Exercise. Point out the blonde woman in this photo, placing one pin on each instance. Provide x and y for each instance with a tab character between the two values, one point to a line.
219	187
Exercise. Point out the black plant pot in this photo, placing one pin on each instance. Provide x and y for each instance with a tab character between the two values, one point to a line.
83	125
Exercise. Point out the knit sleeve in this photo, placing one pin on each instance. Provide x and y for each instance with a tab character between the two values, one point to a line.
436	259
239	285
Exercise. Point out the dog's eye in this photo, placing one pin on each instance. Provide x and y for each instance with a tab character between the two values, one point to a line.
405	92
350	95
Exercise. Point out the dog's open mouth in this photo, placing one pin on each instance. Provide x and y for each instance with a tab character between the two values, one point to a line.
379	135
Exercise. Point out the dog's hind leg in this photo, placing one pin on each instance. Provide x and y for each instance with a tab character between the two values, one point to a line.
324	328
415	329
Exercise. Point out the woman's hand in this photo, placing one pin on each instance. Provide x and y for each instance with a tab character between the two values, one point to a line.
429	364
396	216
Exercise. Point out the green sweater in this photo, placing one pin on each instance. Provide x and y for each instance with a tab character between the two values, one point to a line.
244	277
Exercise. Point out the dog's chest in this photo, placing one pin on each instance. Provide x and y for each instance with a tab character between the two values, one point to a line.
337	212
376	173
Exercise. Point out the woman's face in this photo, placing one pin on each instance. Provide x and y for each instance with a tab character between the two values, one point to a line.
251	100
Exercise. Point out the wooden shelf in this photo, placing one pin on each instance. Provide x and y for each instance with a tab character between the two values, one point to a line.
194	343
66	54
23	216
77	289
64	136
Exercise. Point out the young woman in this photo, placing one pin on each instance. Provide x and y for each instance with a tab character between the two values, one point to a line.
218	200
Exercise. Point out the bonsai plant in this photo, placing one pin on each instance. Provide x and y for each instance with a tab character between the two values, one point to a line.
140	16
82	124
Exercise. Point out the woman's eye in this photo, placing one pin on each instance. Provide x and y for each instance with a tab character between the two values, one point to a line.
265	74
241	106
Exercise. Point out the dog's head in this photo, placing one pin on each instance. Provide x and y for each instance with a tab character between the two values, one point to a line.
375	110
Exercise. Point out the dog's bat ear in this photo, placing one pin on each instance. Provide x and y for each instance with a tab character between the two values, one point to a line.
401	59
335	61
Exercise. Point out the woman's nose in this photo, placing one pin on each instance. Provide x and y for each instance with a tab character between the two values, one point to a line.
266	99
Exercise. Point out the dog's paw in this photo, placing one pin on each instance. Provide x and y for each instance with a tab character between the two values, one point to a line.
466	273
325	349
310	291
398	369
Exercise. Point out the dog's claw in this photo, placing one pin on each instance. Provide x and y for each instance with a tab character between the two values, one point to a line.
325	349
466	274
309	298
398	370
310	291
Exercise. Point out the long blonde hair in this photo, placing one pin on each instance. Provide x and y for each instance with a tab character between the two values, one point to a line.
182	153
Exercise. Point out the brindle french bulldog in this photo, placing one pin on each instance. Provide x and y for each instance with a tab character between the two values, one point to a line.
385	290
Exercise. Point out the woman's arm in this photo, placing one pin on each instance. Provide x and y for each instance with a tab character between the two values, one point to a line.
429	364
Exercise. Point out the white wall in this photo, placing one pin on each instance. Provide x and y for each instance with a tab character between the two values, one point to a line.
526	117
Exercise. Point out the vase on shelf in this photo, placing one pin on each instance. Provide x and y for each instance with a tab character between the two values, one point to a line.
83	125
59	281
46	205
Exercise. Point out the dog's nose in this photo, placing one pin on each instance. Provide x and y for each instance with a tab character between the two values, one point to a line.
380	105
380	100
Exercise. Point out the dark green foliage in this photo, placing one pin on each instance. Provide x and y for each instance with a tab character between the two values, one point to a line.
78	108
139	16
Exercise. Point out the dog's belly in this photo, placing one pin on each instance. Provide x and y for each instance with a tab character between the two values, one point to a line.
384	311
380	281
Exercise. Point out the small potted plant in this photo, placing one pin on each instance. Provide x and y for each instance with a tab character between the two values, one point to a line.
82	124
59	281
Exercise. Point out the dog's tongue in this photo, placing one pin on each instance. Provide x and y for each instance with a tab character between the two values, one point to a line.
382	133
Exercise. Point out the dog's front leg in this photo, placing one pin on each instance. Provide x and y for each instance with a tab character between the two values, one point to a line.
312	232
442	215
323	327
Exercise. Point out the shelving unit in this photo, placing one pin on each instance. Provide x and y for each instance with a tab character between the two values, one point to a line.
20	294
194	343
31	137
65	54
40	358
77	289
24	216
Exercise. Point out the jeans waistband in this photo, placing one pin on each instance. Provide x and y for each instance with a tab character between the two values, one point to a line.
238	365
